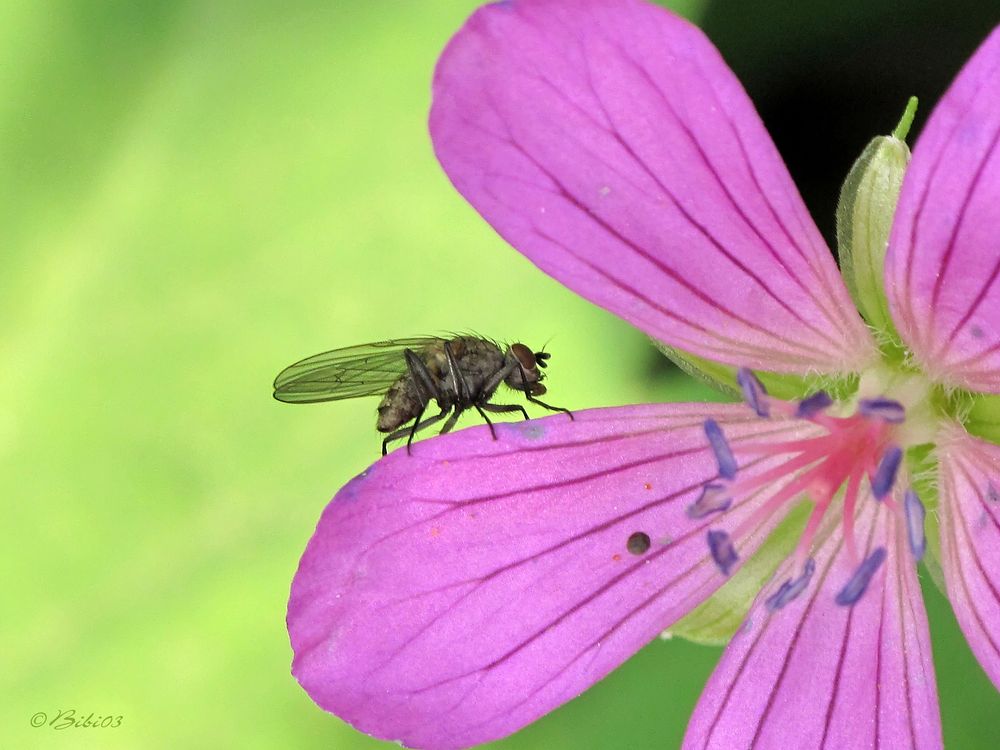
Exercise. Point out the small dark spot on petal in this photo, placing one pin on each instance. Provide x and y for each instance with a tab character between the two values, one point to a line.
976	331
647	486
638	543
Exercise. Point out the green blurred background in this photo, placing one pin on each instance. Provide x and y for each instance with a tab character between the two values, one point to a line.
195	194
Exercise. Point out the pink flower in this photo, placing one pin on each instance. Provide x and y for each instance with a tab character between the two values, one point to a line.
450	597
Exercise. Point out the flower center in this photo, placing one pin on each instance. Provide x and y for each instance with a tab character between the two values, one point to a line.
858	453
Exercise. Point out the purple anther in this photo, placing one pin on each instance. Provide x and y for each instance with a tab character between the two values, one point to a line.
915	513
813	405
885	474
723	551
885	409
754	392
855	588
720	447
714	498
791	588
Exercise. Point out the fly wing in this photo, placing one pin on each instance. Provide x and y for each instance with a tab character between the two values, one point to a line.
363	370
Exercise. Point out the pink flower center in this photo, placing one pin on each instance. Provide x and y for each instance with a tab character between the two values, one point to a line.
859	453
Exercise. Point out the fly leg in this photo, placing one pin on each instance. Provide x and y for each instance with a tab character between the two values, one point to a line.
428	390
412	430
452	420
422	377
532	399
463	395
487	420
458	381
502	408
494	382
490	386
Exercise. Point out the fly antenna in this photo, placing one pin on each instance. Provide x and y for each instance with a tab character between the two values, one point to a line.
541	356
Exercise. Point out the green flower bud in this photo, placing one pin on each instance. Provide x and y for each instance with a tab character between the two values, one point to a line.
864	218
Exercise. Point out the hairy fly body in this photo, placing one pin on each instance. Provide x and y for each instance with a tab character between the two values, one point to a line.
457	374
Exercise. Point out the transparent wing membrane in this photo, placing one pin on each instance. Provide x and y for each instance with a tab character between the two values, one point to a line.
351	372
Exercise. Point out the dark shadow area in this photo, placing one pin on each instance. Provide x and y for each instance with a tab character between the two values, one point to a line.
828	76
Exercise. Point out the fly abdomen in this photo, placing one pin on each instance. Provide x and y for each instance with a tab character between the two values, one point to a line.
401	403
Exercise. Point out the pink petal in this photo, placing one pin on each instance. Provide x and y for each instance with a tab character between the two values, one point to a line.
452	596
609	142
819	675
970	542
943	261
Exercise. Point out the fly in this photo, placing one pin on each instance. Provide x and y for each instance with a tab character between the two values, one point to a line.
458	373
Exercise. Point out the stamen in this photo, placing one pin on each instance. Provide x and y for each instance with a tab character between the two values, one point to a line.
885	474
714	498
915	514
723	551
754	392
885	409
834	458
856	586
791	588
813	405
720	447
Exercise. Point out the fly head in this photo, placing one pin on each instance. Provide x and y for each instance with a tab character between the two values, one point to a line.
526	374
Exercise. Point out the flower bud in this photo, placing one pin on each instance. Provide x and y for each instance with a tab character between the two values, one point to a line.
864	218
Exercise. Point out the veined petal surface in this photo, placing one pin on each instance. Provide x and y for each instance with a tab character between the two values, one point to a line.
943	261
451	596
970	541
608	141
819	675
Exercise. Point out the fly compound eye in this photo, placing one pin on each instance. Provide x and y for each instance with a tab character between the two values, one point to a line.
524	356
537	389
